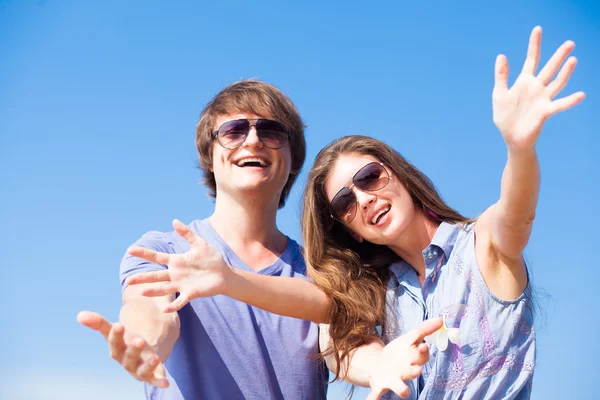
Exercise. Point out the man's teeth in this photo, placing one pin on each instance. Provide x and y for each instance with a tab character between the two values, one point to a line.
379	214
245	161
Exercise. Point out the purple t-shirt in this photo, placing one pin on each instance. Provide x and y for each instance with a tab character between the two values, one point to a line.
228	349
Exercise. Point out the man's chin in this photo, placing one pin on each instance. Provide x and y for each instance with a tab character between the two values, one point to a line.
261	188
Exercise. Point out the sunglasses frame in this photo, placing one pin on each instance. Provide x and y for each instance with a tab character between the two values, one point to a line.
332	211
215	134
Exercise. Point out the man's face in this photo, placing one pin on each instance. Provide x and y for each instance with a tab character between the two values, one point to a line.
252	168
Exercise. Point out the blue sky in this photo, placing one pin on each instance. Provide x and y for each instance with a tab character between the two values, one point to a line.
98	104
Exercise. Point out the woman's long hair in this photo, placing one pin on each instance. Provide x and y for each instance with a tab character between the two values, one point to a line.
350	273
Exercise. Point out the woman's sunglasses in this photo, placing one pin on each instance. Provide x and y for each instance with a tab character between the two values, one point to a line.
370	178
232	134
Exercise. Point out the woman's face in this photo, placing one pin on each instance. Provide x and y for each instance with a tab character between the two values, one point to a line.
381	215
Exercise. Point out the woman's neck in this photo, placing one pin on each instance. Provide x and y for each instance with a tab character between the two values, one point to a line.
414	240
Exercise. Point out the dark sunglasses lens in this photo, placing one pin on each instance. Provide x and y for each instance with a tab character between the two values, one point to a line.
233	133
343	205
272	134
371	177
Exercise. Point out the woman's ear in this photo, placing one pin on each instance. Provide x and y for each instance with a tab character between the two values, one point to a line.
355	236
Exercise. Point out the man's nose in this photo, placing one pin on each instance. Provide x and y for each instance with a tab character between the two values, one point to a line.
252	140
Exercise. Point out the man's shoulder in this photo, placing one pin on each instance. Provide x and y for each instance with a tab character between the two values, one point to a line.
157	239
294	257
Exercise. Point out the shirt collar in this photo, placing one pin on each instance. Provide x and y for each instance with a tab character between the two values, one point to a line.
444	238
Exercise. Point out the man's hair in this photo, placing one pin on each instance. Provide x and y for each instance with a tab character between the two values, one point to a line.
256	98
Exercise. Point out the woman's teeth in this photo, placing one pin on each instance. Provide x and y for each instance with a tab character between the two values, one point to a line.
379	214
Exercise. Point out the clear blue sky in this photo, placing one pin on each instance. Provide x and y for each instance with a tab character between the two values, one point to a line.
98	104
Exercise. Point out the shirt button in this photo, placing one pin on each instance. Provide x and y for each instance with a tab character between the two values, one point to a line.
429	255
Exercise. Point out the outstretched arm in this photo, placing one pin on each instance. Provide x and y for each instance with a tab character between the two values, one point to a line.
520	113
202	272
382	367
142	339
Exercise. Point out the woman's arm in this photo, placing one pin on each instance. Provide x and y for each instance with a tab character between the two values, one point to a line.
383	368
363	359
520	112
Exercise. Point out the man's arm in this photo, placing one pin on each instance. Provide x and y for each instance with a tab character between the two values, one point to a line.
144	316
202	272
144	336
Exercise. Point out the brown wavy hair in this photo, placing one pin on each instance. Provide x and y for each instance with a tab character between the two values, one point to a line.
255	97
353	274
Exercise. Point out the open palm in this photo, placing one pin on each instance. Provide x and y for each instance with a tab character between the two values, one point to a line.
402	360
200	272
520	112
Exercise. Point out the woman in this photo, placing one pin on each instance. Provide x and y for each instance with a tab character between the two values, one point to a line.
366	207
387	251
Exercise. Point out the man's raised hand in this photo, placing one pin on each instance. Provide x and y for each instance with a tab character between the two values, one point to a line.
200	272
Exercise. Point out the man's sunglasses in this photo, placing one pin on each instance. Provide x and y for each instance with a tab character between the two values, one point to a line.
232	134
370	178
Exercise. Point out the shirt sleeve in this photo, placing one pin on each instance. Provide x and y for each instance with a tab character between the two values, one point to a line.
130	265
298	264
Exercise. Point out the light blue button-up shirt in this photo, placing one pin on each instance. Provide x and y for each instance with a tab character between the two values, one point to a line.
495	356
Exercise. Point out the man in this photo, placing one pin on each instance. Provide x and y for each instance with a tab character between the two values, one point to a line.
251	145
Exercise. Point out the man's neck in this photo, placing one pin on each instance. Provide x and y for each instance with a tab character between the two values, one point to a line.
250	229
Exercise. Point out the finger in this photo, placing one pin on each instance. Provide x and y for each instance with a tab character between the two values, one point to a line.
422	354
556	61
152	371
412	372
185	232
145	371
501	73
148	277
131	358
563	77
566	102
427	327
150	255
116	342
177	304
163	290
160	376
533	51
399	387
95	321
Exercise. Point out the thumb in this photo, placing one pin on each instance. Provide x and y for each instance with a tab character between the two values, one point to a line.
159	371
185	232
95	321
